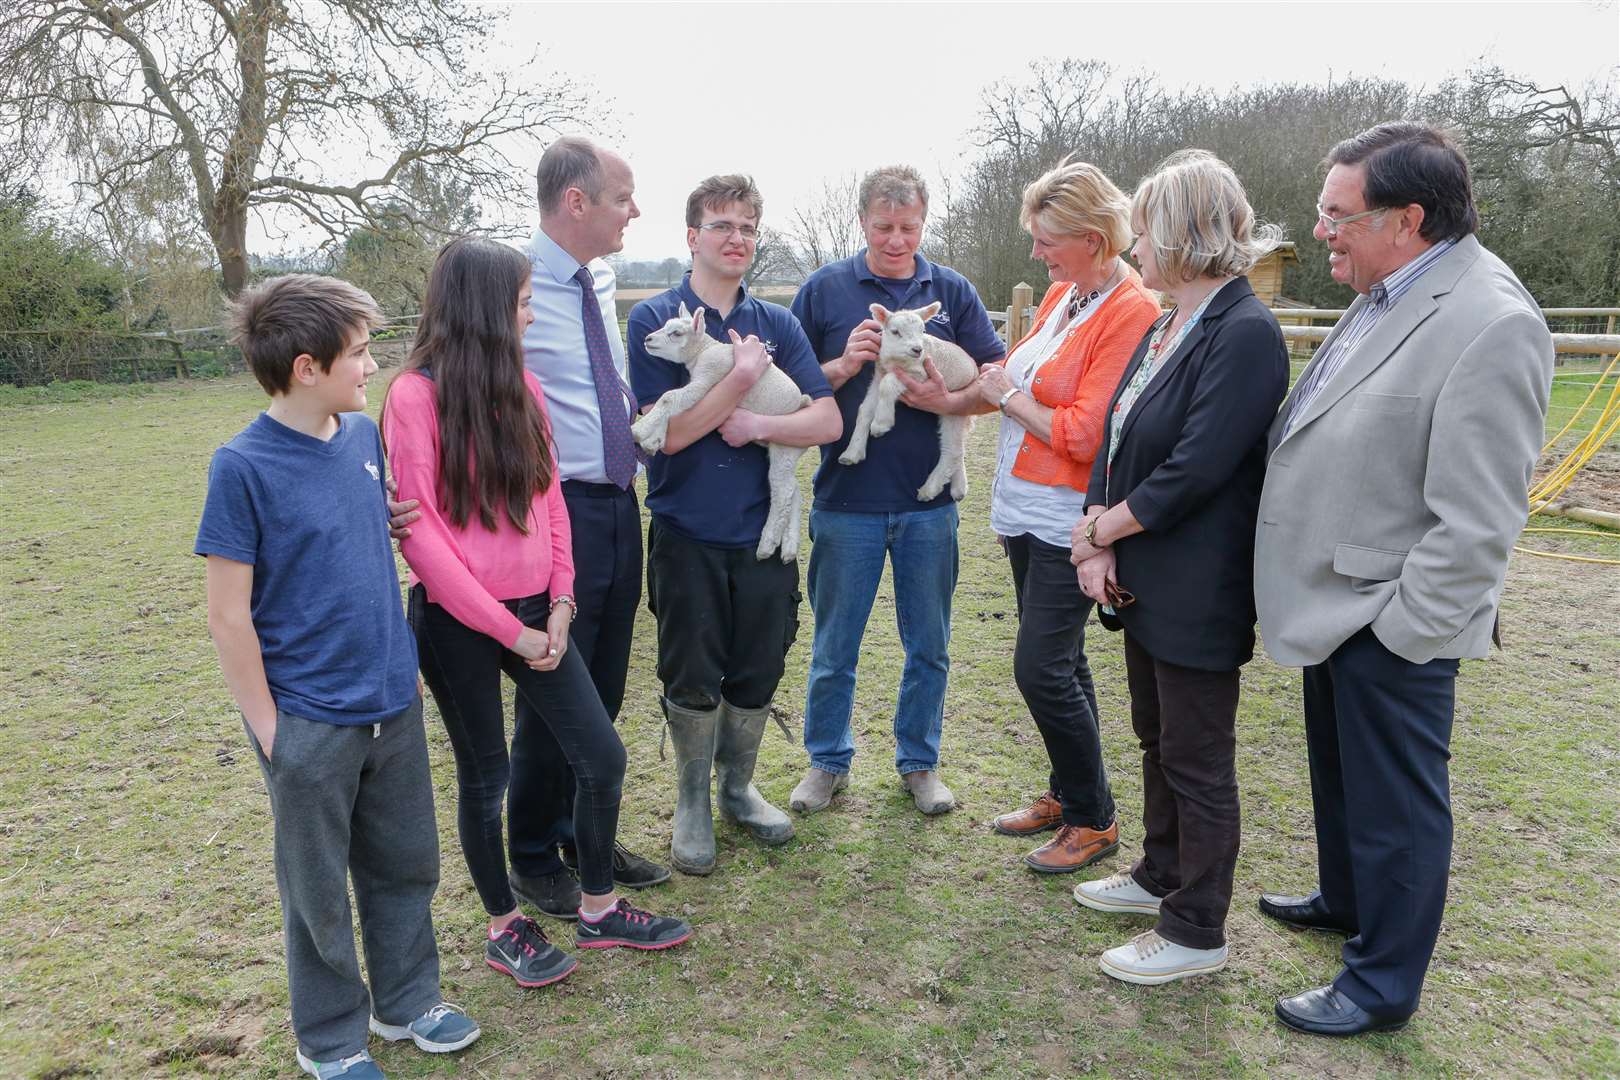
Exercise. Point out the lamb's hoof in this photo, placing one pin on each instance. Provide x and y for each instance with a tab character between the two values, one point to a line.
765	550
879	430
958	492
929	491
790	552
849	457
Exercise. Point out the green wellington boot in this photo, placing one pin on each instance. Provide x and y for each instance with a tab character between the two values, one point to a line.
691	848
736	750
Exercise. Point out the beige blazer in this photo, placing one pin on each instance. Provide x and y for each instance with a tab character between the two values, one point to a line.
1397	498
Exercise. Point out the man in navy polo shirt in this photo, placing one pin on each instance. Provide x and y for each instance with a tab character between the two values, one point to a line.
862	512
725	618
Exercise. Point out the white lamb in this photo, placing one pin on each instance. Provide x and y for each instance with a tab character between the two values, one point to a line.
683	341
904	347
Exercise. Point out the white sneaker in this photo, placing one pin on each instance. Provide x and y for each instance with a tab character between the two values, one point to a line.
1119	894
1149	959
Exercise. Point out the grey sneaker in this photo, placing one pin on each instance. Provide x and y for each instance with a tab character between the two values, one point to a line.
522	951
816	790
930	795
631	927
440	1030
354	1067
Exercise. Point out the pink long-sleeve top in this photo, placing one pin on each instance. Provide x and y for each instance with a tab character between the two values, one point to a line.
470	571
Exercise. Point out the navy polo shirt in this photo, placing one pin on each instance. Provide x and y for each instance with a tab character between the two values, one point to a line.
710	492
836	299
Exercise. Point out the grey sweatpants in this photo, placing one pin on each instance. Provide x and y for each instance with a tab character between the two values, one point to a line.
354	801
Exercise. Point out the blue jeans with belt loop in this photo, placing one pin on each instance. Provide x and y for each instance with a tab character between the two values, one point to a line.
846	564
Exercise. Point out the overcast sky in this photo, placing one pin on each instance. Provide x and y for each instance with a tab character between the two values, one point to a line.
793	93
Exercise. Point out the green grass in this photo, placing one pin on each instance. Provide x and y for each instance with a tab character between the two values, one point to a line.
140	932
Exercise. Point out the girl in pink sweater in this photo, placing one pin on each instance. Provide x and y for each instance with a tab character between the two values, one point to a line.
491	591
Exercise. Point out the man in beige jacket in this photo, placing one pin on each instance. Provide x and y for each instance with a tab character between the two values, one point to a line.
1395	487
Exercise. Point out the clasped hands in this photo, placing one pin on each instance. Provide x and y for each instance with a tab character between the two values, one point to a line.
1094	566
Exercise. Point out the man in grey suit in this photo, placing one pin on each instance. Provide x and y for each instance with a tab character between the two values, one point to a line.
1395	487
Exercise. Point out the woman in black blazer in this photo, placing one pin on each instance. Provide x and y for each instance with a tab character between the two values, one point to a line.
1167	544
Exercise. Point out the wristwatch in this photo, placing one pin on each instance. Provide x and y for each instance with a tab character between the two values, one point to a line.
1089	533
1002	404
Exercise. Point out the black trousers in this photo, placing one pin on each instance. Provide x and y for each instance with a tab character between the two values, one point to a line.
606	524
1049	665
559	716
1186	722
1378	731
725	620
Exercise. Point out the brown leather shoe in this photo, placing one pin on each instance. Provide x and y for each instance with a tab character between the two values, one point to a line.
1074	846
1042	814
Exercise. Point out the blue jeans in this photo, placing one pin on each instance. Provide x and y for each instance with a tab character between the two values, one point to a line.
846	563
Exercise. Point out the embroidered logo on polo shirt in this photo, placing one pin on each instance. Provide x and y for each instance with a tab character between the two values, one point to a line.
942	317
372	469
770	348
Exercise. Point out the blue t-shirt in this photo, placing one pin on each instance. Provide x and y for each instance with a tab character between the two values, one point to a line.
837	298
311	518
710	492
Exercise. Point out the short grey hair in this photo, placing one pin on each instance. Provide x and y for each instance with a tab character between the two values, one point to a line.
571	162
899	185
1198	219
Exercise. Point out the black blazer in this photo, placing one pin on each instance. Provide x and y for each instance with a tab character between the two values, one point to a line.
1190	464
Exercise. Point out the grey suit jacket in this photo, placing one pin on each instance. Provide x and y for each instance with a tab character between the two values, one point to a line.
1395	501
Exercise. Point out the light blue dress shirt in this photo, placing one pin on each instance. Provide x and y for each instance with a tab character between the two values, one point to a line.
554	349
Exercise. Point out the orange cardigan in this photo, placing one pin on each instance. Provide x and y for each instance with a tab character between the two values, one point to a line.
1080	378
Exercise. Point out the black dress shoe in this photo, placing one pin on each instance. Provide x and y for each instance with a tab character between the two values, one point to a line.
555	894
1305	912
629	869
1325	1011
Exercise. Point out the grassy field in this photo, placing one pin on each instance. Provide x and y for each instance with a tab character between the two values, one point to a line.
139	928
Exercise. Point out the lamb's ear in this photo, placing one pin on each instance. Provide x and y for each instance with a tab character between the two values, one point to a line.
697	321
930	311
683	313
880	313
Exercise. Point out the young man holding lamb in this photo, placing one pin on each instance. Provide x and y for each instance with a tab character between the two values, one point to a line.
726	618
865	511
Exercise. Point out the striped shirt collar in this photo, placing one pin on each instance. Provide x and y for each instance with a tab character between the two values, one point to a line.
1388	292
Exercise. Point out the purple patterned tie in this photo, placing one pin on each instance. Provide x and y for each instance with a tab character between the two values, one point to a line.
618	451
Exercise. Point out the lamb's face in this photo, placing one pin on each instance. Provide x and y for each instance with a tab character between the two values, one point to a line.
670	341
903	334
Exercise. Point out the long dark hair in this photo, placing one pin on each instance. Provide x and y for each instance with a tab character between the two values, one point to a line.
494	450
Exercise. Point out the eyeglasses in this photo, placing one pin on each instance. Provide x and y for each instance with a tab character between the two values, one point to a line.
724	229
1332	225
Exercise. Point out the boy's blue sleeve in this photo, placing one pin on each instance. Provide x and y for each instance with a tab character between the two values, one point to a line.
229	525
650	376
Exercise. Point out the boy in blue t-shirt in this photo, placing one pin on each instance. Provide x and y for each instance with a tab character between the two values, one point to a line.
304	608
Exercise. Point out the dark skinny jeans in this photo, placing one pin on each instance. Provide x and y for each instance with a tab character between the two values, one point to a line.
559	713
1050	667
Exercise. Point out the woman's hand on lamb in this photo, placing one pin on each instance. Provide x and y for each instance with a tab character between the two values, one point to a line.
748	358
993	383
1096	573
742	427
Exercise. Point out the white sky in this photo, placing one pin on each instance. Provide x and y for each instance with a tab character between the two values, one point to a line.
795	92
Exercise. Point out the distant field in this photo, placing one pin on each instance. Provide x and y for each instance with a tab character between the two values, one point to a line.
140	935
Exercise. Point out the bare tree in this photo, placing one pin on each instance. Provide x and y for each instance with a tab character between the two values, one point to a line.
827	227
270	106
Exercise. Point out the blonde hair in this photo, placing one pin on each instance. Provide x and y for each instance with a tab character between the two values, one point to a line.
1077	198
1195	214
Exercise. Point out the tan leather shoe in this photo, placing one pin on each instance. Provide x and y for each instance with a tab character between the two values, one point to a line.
1042	814
1074	846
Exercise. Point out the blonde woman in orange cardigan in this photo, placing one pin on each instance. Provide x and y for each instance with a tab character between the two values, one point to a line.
1053	391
